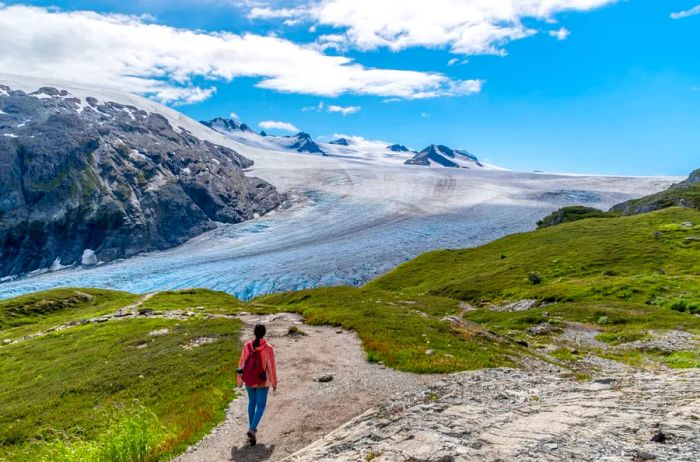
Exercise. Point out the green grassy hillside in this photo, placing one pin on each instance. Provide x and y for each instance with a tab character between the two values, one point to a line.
647	259
685	195
126	389
73	388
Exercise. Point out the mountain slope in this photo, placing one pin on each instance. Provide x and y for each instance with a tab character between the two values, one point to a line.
442	156
683	194
649	258
84	181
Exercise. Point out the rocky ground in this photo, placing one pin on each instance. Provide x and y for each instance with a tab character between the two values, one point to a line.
506	414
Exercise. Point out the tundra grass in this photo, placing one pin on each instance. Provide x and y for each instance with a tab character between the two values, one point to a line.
408	335
650	258
190	299
63	390
38	311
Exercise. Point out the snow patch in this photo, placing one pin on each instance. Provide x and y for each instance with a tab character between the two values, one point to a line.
57	266
89	258
9	135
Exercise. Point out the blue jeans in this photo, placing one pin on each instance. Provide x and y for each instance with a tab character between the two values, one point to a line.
257	400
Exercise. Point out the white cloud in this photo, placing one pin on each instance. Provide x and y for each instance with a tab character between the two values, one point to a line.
425	115
333	108
561	34
362	142
345	110
455	61
277	125
258	12
317	108
464	26
234	116
133	54
684	14
182	95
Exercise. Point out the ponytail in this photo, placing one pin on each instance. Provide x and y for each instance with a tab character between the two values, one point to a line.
259	332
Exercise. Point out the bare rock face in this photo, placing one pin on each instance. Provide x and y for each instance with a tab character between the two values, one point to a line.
507	414
83	181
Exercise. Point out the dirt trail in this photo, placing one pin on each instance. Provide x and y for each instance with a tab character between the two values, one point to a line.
303	409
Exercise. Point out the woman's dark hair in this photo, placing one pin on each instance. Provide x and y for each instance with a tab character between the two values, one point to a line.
259	332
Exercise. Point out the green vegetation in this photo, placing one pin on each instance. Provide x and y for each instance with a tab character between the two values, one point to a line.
621	277
572	213
684	195
408	335
87	392
645	259
34	312
188	299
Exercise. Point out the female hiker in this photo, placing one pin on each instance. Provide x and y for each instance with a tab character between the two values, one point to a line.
256	369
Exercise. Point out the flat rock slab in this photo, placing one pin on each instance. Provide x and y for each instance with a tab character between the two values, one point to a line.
304	409
506	414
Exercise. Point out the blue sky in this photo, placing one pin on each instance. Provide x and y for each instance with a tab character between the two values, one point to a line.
618	92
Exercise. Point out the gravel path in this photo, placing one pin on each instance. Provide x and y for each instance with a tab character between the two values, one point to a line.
303	409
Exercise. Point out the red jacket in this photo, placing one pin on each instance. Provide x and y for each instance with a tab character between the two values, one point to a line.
268	358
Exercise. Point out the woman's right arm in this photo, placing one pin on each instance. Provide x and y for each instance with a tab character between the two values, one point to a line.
241	363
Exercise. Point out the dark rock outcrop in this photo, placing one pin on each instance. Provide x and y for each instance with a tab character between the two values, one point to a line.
340	142
223	125
683	194
83	181
442	155
304	143
571	213
397	148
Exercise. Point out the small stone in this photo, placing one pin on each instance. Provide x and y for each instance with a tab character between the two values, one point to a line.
429	352
522	343
7	341
158	332
659	437
325	378
643	455
604	381
551	446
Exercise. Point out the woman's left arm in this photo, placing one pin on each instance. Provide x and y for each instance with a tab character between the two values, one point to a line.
272	369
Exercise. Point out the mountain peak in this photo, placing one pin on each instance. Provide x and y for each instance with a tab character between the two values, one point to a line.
226	125
438	154
397	148
341	142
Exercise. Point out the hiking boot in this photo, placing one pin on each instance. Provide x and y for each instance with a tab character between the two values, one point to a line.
251	437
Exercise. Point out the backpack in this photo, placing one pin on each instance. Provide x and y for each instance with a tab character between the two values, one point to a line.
254	370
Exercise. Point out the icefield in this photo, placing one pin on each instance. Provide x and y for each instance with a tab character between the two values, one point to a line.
348	219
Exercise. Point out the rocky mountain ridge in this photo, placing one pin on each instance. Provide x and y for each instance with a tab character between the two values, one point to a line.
86	181
443	156
432	156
